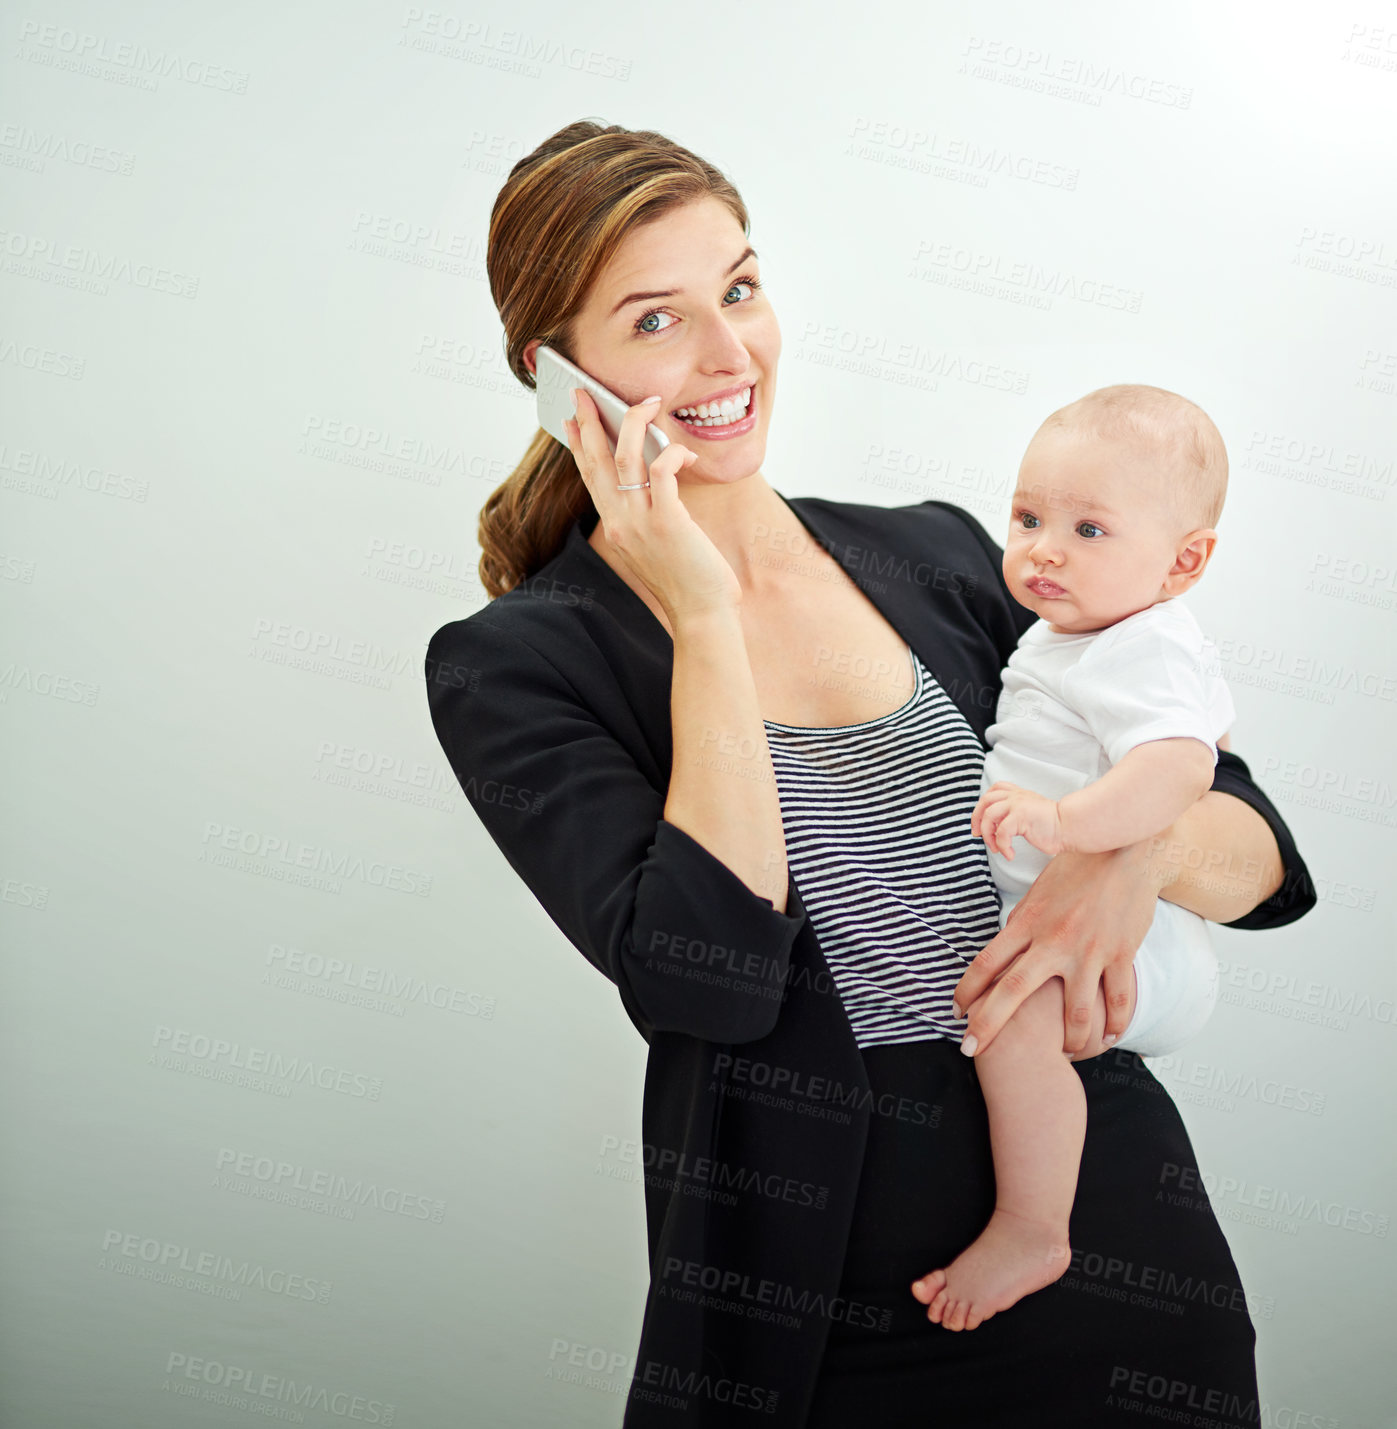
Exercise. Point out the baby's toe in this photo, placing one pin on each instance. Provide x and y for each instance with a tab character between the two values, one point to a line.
925	1289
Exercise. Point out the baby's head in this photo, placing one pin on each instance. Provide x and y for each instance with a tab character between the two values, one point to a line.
1117	497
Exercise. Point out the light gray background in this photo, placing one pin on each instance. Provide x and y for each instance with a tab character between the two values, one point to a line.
306	1099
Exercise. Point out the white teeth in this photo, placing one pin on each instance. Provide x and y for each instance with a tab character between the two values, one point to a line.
717	414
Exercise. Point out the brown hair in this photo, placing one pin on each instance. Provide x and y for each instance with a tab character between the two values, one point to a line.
1167	426
561	216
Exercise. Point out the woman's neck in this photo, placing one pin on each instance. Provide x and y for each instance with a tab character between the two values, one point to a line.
745	520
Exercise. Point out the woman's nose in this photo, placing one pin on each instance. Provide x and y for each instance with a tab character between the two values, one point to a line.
722	350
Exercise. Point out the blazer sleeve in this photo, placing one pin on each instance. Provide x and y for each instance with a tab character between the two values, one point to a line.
689	946
1296	895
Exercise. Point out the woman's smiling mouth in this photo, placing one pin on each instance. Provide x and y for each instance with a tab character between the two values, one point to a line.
730	414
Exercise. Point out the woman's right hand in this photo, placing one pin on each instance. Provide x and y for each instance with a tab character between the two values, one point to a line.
651	528
1083	920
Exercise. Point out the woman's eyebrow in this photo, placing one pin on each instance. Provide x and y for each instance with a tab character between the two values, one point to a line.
673	292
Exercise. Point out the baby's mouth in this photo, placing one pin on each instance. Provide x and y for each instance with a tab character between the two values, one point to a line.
1042	586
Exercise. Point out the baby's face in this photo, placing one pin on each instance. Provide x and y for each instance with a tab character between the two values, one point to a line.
1090	538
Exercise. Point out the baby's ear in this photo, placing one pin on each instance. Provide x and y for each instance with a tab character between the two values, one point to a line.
1195	551
1191	559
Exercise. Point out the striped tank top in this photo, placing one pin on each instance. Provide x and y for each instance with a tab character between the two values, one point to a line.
877	826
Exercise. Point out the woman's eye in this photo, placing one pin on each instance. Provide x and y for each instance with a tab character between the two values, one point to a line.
642	325
1085	528
646	327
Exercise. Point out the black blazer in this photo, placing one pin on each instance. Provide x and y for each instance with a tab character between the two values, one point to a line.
552	704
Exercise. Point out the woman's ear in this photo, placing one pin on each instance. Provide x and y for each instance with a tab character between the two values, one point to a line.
529	348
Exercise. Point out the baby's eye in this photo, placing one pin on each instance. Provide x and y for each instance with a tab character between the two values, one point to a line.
1085	528
1027	520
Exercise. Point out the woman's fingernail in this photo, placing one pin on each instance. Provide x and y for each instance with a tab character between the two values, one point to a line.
955	1010
1108	1039
648	400
968	1044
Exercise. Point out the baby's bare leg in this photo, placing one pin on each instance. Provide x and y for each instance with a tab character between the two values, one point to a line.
1037	1115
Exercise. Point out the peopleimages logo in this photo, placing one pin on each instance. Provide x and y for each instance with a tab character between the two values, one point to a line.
269	1178
1157	1288
671	1169
292	860
1181	1395
172	1263
1298	1206
222	1060
678	1385
242	1387
367	985
758	1298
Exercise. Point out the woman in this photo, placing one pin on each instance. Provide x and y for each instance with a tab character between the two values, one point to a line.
687	692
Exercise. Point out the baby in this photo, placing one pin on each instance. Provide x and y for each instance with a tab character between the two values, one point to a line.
1105	733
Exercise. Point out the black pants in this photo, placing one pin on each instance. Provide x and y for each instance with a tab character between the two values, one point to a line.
1150	1317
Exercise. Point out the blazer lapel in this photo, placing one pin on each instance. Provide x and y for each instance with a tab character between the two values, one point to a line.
885	574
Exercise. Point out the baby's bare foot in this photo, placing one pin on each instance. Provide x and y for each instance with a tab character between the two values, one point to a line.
1012	1257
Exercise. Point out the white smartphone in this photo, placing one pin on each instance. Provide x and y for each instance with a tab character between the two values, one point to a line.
554	379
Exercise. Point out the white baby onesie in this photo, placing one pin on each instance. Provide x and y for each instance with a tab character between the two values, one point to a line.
1071	707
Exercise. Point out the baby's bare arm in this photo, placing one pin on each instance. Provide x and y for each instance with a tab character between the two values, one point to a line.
1139	796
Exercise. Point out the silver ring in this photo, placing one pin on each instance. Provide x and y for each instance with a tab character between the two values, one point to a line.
639	486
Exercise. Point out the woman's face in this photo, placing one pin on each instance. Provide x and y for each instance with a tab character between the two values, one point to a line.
676	312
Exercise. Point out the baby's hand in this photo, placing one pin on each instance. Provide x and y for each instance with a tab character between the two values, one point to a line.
1005	810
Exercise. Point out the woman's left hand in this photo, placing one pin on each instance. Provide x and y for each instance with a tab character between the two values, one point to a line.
1083	920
